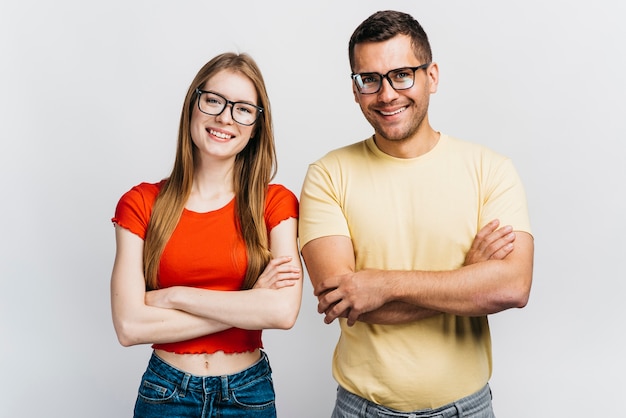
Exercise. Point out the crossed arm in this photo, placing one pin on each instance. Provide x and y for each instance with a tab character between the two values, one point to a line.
496	275
180	313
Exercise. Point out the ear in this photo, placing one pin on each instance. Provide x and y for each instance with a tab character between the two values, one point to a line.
433	77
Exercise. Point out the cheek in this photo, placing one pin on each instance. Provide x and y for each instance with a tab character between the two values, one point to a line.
196	116
247	132
197	121
195	129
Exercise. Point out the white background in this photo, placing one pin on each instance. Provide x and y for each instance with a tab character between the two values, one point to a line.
90	98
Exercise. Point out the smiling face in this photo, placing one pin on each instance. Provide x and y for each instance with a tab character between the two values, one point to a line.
395	115
220	137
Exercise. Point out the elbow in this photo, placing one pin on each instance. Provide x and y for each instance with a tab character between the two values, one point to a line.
125	335
513	297
514	301
286	316
124	342
288	320
521	293
285	324
522	299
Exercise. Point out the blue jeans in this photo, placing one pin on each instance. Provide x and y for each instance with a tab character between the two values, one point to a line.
477	405
166	391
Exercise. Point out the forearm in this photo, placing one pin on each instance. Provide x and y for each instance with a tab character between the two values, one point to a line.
475	290
151	325
479	288
246	309
396	313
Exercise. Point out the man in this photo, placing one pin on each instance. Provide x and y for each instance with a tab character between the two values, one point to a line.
401	239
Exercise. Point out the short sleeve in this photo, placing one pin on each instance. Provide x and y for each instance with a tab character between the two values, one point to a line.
280	204
505	198
320	207
134	208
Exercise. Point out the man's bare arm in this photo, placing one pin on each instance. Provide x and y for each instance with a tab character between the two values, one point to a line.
397	296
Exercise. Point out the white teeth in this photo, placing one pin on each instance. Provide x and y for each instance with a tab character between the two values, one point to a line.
392	113
219	134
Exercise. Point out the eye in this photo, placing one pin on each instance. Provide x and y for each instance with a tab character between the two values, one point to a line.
244	109
401	74
369	78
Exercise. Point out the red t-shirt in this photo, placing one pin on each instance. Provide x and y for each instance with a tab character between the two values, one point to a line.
204	251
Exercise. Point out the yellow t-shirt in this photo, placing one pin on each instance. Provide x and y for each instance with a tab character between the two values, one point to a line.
412	214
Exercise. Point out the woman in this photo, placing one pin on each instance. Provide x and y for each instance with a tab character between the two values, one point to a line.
208	258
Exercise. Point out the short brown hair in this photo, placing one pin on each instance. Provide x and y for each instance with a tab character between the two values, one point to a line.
384	25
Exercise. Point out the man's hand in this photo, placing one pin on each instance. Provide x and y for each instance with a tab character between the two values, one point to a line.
349	295
490	243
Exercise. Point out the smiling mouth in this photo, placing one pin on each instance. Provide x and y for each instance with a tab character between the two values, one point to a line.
220	135
395	112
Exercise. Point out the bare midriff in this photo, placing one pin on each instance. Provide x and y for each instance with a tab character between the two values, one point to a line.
215	364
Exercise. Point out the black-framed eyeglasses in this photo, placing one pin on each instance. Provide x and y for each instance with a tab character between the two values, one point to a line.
400	79
214	104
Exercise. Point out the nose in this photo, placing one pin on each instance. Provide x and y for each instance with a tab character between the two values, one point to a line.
386	92
226	116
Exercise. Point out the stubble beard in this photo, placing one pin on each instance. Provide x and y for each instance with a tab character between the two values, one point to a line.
403	132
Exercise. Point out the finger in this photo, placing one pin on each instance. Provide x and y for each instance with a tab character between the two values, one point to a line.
322	304
337	310
285	283
497	234
503	232
353	316
479	242
502	252
496	239
502	247
280	260
324	286
331	316
488	229
327	303
288	269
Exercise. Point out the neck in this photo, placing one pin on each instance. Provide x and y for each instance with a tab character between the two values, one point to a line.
411	147
212	187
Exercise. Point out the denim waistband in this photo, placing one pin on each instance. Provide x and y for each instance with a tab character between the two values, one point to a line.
207	384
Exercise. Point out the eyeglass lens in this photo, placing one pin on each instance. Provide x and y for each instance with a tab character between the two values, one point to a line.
400	79
214	104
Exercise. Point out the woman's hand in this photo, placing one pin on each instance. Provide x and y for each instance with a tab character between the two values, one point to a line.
161	298
279	273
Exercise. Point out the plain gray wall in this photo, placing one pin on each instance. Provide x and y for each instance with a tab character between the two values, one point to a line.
90	98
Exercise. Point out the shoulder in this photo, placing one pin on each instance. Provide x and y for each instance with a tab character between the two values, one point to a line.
147	189
350	151
278	192
143	194
464	149
134	208
139	199
340	160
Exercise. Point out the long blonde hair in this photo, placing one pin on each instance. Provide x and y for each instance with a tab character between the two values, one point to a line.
255	167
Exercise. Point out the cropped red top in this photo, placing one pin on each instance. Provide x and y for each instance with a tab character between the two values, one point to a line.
206	251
